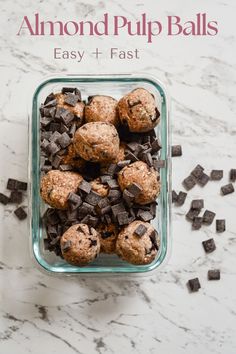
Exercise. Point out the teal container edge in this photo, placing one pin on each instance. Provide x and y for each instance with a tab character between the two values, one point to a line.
119	84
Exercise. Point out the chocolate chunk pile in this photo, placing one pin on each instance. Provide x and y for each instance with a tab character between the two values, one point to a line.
198	176
17	189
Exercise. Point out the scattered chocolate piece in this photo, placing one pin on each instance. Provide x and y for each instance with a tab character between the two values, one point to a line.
189	182
117	208
213	274
4	199
56	161
227	189
220	225
197	171
52	148
86	208
74	200
85	187
71	99
156	146
128	197
194	284
112	169
175	196
232	175
114	194
54	137
103	203
159	164
51	215
209	245
64	167
176	150
123	218
153	238
133	146
197	204
192	214
15	184
112	183
105	178
197	223
64	140
92	221
51	103
203	179
216	175
16	197
122	164
181	198
208	217
134	188
145	215
140	230
130	156
49	98
20	213
93	198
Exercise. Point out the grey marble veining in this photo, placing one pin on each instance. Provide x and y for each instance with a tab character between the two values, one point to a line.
134	314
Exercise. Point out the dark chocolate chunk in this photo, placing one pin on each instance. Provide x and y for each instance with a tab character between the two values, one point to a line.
104	202
106	234
175	196
135	189
49	98
56	161
93	198
85	187
216	175
203	179
71	99
72	129
75	200
68	89
107	219
45	122
156	146
64	140
44	144
50	104
20	213
114	194
55	136
159	164
122	218
209	245
197	171
85	220
51	216
130	156
105	210
112	183
232	175
227	189
52	231
112	169
197	223
153	238
128	197
133	146
192	213
60	111
189	182
3	199
140	230
46	168
65	167
16	197
176	150
213	274
52	148
86	208
117	208
12	184
220	225
145	215
66	246
208	217
153	207
197	204
181	198
93	243
194	284
71	215
105	178
123	163
147	157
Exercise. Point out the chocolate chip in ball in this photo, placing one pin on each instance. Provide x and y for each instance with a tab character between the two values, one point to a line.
209	245
135	189
66	246
140	230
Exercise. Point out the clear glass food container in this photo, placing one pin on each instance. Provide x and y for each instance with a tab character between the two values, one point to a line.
115	86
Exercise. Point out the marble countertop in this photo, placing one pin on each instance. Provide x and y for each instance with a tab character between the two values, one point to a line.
153	313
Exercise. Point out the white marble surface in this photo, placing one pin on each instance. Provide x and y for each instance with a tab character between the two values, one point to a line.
154	313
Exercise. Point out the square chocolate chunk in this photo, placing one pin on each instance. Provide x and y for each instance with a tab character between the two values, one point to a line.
227	189
174	196
197	171
176	150
3	199
209	245
194	284
135	189
140	230
197	204
71	99
189	182
197	223
112	183
93	198
192	214
64	140
216	175
220	225
213	274
123	163
232	175
12	184
208	217
16	197
85	187
156	146
203	179
145	215
117	208
123	218
20	213
181	198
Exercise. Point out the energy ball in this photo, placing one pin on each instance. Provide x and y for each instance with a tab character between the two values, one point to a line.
101	109
99	187
108	236
138	243
72	158
140	180
97	142
77	110
57	185
138	111
80	244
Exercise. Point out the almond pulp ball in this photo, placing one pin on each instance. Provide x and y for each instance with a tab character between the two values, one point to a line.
99	187
108	236
101	109
72	158
57	185
138	111
97	142
138	243
143	176
77	110
80	244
